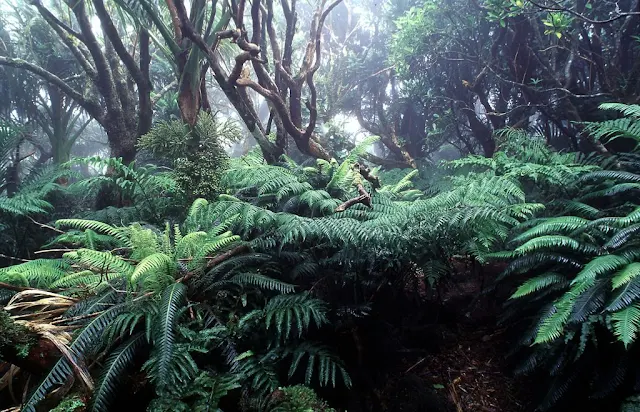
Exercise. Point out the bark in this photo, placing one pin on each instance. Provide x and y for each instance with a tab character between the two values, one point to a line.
235	85
386	129
24	348
364	198
124	85
238	97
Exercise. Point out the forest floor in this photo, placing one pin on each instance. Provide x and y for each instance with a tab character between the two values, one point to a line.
469	371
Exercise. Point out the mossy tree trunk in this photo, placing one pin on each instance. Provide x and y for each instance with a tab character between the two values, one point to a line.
24	348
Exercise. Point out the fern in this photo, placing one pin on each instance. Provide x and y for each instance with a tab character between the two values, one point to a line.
320	362
114	368
164	335
626	323
62	369
151	265
538	283
296	312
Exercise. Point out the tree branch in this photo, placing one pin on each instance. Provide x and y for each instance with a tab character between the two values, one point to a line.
558	7
91	107
112	33
364	198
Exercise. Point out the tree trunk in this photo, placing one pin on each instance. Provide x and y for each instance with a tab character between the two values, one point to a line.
24	348
122	142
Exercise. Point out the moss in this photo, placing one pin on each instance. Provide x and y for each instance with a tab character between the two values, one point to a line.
298	398
71	403
197	155
15	338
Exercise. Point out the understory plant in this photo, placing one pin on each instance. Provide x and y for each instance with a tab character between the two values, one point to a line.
195	308
577	265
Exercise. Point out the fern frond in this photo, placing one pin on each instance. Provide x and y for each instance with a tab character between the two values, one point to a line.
538	283
626	275
156	264
563	224
172	299
263	282
555	242
626	324
114	367
287	312
99	227
327	368
100	262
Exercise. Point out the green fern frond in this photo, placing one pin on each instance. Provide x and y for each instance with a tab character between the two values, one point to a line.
155	264
556	242
563	224
100	262
599	266
552	327
259	372
21	204
617	175
263	282
626	275
78	279
38	273
99	227
196	207
626	323
538	283
294	312
630	110
164	335
327	368
115	365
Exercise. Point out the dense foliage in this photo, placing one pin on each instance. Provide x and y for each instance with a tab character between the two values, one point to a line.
270	205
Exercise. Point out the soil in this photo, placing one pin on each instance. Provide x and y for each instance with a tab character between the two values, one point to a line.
468	372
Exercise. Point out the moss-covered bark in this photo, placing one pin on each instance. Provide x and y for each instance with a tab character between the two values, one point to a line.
23	347
15	339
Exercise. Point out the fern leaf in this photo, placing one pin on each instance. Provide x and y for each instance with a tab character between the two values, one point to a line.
158	262
553	242
626	275
537	283
263	282
114	367
165	333
599	266
626	323
96	227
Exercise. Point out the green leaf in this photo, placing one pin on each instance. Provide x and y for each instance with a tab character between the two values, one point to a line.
626	275
626	323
